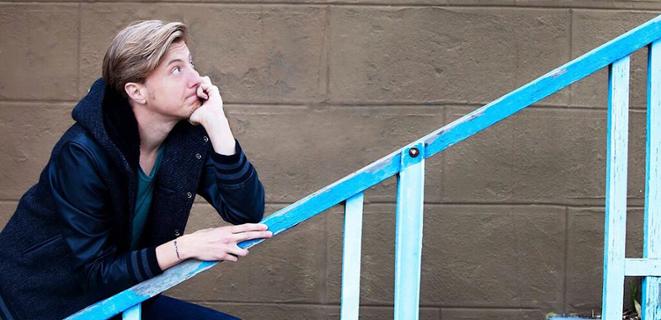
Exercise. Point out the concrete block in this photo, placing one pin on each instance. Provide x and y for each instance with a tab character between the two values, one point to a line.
38	51
585	254
540	156
287	268
7	209
298	150
590	29
481	256
597	4
253	53
490	314
425	54
29	132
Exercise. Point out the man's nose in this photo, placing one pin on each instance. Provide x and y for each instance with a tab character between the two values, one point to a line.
195	79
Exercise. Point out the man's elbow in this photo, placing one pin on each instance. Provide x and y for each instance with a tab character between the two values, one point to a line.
259	206
259	214
258	210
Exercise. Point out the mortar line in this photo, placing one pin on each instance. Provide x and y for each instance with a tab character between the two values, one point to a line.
458	204
312	304
571	51
643	8
315	105
495	204
565	262
327	54
80	13
323	283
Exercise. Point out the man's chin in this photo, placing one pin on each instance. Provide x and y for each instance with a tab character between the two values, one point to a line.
191	109
195	105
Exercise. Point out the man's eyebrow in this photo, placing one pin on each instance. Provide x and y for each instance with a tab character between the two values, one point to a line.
174	60
190	57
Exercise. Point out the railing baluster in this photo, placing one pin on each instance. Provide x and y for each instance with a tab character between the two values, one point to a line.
133	313
651	308
408	232
616	189
353	225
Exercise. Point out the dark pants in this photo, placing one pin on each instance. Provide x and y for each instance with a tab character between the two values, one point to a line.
165	308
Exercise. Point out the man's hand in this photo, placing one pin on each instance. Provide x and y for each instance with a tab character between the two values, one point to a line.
212	117
220	243
212	103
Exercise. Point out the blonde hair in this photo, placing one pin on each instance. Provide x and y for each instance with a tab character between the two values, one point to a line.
138	49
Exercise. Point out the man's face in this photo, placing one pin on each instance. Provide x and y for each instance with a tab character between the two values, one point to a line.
171	87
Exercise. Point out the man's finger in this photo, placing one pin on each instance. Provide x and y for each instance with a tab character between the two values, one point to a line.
249	227
201	91
229	257
252	235
238	251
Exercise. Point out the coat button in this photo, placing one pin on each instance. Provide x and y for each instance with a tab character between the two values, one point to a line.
198	156
189	195
176	232
206	139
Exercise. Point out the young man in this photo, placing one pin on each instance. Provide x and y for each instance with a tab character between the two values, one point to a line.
111	205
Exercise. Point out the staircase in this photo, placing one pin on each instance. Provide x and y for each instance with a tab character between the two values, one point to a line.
408	163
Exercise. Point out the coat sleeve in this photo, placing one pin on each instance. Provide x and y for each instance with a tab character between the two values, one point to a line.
231	185
81	200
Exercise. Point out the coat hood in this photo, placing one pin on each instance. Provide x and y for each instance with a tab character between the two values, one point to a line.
108	117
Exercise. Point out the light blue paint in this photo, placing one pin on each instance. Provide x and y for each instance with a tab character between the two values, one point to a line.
389	165
651	306
111	306
636	267
353	225
408	233
133	313
616	189
142	291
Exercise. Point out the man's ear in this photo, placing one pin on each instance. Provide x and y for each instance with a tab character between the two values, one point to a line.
136	92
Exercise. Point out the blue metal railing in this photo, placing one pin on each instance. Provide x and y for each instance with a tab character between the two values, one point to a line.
408	164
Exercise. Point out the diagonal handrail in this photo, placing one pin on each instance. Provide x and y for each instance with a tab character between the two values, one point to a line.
390	165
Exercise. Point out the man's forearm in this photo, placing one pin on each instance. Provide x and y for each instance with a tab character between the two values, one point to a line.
220	135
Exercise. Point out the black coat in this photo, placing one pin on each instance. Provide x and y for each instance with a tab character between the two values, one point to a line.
67	244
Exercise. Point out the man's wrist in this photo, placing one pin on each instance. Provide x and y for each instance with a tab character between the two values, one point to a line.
182	248
214	122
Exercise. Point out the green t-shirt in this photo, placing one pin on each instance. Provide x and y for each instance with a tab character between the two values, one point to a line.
143	200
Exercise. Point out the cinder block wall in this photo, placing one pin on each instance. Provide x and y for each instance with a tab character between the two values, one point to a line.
318	89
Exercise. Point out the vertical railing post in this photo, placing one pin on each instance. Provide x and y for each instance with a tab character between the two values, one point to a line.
408	232
133	313
651	308
353	224
616	189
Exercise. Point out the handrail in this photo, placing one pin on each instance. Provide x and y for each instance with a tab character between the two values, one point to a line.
391	164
